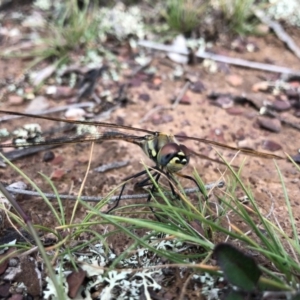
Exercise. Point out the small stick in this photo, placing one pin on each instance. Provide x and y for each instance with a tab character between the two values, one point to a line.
110	166
221	58
173	106
19	153
279	31
151	112
181	94
209	186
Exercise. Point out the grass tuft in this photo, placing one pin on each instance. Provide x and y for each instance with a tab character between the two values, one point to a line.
196	225
184	15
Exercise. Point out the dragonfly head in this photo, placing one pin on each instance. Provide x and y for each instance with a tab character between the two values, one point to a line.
173	157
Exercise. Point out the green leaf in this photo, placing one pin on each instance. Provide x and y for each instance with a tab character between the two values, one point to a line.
234	295
239	269
296	297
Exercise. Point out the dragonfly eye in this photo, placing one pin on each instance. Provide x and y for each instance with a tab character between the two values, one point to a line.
173	156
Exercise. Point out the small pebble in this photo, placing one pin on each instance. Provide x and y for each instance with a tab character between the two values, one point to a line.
185	100
57	174
144	97
15	100
234	80
48	156
197	87
246	144
224	102
273	125
271	146
262	86
75	113
39	103
296	158
235	111
281	105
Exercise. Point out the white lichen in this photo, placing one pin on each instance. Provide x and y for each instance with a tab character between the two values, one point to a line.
286	10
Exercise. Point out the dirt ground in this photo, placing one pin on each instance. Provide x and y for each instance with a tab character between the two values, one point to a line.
197	116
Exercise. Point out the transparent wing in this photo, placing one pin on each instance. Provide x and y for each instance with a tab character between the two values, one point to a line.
85	131
64	132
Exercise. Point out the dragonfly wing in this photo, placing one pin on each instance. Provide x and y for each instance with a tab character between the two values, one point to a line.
71	132
88	123
209	158
243	150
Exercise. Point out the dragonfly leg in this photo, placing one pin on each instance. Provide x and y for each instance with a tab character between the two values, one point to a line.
170	185
157	176
123	187
193	179
145	181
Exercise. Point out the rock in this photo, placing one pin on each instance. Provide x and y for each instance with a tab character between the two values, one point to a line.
75	113
48	156
15	100
135	82
262	29
234	80
224	102
75	280
247	144
57	160
238	45
197	87
252	47
157	81
240	134
161	119
4	290
271	146
273	125
295	84
296	158
179	44
155	84
144	97
16	297
4	264
38	104
261	86
58	92
235	111
185	100
57	174
280	105
257	100
30	276
297	113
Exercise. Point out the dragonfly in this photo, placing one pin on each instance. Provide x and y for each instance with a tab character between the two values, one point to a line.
166	152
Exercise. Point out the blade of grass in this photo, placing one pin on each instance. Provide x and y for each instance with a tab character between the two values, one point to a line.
36	238
288	204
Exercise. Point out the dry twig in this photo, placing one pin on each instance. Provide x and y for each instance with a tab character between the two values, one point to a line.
279	31
221	58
